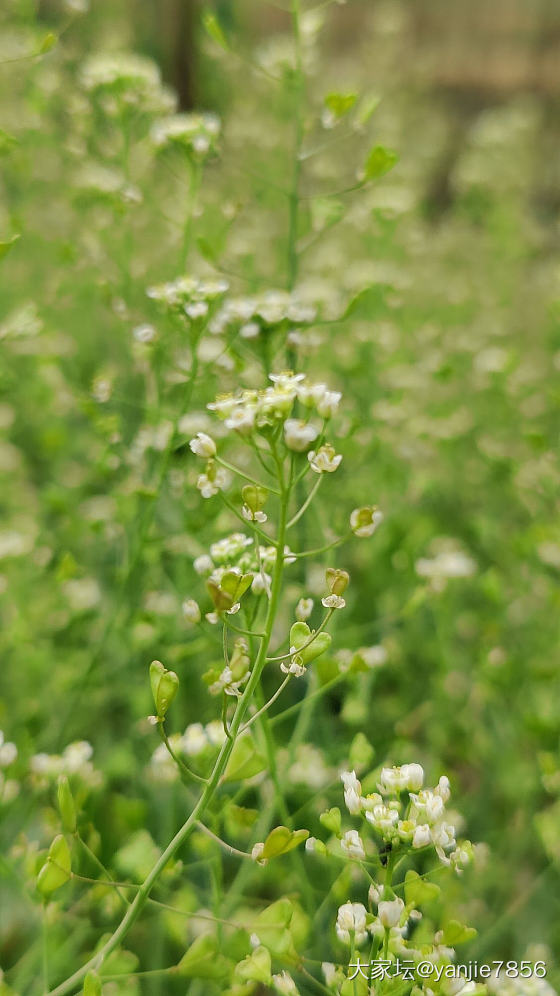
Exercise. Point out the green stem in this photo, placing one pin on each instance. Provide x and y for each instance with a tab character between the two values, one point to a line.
208	793
183	768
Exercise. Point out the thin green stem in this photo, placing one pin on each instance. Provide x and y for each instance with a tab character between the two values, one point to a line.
267	705
306	503
312	638
246	477
178	761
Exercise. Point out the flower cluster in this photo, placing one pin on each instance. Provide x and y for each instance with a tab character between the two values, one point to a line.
125	80
265	313
195	134
74	760
188	296
259	410
404	814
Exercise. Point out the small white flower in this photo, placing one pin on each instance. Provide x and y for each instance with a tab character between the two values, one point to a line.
293	666
364	521
299	434
325	460
257	852
351	919
304	608
203	445
328	404
203	564
194	740
283	983
352	792
414	774
209	485
422	836
390	912
191	611
333	602
352	845
8	752
261	582
242	419
198	309
442	788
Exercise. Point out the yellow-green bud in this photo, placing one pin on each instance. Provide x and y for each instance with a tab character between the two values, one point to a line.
66	804
337	580
165	685
254	497
92	985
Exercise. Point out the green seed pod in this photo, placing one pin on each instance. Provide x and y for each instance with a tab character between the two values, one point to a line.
66	805
57	868
337	580
165	685
254	497
92	985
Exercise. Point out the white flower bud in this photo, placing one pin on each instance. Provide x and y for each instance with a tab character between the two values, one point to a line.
422	836
390	912
352	845
414	774
191	611
304	608
351	919
298	434
364	521
203	445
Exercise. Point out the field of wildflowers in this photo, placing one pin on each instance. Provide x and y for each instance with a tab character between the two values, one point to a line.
279	546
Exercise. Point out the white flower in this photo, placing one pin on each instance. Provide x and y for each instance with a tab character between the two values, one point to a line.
364	521
351	919
414	774
8	752
393	779
261	582
191	610
210	483
352	845
325	460
284	984
428	805
257	852
203	445
352	792
422	836
253	516
382	817
328	404
203	564
333	602
194	739
442	788
304	608
294	665
299	434
390	912
242	419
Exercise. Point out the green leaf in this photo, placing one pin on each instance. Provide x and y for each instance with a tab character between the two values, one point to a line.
340	103
245	761
164	685
256	967
457	933
214	29
281	840
379	162
418	891
7	245
206	250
